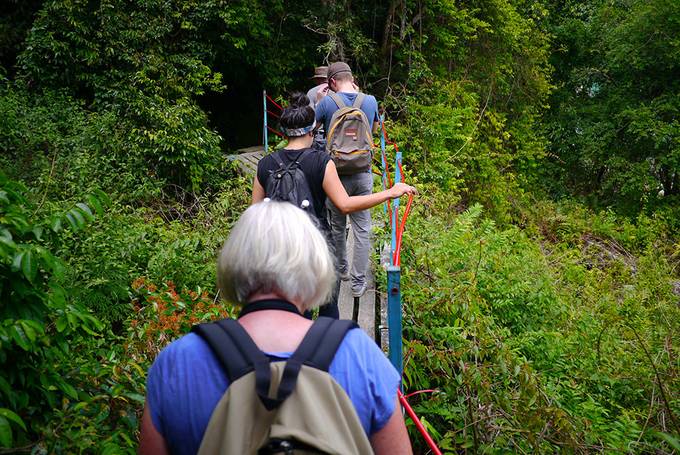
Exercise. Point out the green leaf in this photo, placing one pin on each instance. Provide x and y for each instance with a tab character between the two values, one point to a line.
106	200
57	297
68	389
61	324
29	266
94	202
38	232
3	197
13	417
5	234
32	328
72	221
85	210
16	263
19	336
673	442
135	397
5	433
80	220
56	224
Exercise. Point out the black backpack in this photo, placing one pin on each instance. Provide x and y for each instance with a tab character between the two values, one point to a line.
288	183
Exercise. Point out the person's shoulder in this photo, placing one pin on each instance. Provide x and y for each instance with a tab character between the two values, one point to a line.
186	346
358	345
325	102
370	99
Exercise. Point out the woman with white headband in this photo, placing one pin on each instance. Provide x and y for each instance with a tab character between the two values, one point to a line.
298	123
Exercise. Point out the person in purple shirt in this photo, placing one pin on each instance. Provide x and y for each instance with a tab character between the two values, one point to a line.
274	252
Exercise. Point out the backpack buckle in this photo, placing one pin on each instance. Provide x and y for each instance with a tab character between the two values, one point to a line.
277	446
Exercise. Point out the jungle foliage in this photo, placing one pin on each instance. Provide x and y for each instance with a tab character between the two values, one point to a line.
540	264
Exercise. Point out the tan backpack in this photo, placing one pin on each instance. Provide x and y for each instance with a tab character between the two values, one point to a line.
349	140
292	406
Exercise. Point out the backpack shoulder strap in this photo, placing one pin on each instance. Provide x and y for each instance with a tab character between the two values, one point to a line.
333	334
238	354
337	99
317	349
275	156
358	100
303	155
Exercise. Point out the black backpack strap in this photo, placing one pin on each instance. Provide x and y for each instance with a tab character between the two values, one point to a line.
303	155
278	160
239	355
338	100
332	338
358	100
317	349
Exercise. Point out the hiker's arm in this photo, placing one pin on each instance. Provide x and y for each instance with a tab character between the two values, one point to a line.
150	440
375	127
333	188
258	191
393	437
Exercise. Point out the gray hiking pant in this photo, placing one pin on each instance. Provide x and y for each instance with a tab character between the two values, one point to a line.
356	185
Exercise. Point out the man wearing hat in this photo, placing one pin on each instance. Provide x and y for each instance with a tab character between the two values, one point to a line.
341	81
321	85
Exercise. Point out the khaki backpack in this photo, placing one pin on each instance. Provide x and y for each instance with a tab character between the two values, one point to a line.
349	140
289	406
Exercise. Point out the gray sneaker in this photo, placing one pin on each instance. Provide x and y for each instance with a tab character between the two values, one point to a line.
359	292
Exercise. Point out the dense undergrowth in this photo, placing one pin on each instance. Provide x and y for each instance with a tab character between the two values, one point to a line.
529	335
540	264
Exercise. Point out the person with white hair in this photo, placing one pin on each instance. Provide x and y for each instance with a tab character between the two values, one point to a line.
273	253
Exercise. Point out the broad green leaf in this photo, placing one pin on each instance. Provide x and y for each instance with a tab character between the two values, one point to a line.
5	433
29	266
38	232
16	263
5	234
61	324
28	331
19	336
85	211
56	224
94	202
36	327
103	197
69	390
135	397
672	441
57	297
78	217
72	221
3	197
13	417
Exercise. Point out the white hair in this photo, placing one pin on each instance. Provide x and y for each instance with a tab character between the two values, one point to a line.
275	247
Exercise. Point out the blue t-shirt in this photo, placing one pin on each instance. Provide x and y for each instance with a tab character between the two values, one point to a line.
186	381
327	107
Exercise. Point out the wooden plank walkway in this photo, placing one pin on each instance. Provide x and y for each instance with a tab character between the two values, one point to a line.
367	315
247	159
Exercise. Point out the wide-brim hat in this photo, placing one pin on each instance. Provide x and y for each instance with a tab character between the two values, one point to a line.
320	72
337	68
